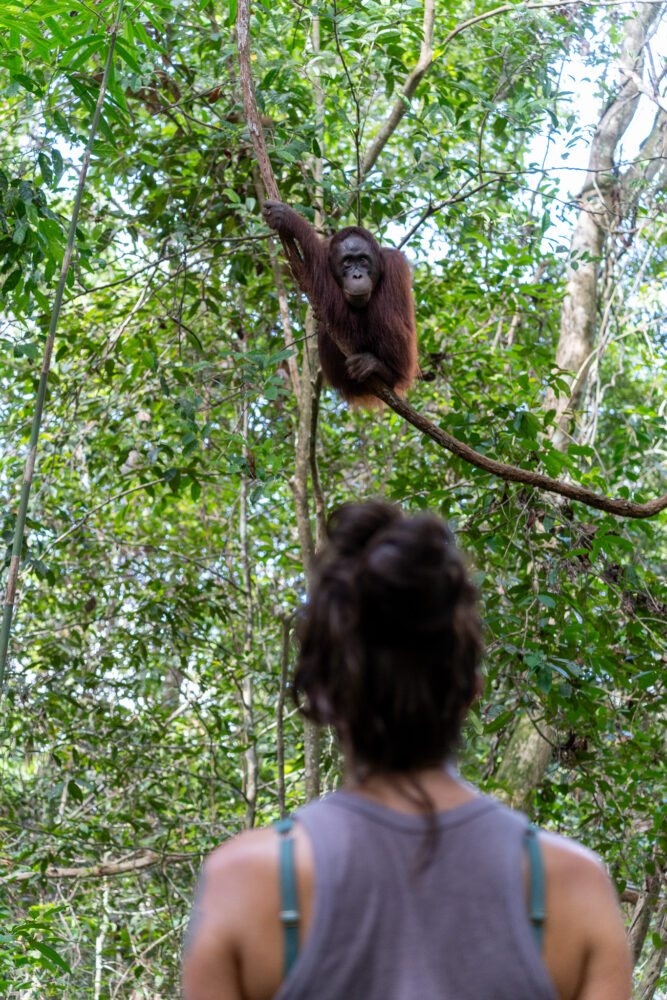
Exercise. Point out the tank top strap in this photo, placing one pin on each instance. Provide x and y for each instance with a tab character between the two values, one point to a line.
289	904
536	884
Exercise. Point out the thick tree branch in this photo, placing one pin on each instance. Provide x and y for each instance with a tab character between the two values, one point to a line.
643	88
127	867
510	473
647	173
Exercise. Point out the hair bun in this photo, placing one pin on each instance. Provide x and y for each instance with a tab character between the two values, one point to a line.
353	525
390	639
411	581
414	554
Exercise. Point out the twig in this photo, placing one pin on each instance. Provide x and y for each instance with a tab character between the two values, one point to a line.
458	196
99	506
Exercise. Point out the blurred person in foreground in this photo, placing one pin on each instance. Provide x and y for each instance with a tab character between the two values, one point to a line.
408	884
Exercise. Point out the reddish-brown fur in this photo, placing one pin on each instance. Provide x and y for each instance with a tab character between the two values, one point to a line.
385	328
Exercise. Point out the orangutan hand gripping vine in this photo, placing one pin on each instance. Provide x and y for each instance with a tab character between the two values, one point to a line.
362	294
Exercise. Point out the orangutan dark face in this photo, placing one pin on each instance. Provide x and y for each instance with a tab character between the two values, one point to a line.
356	268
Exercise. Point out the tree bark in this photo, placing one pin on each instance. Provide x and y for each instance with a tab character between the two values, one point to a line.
641	917
524	763
599	213
656	961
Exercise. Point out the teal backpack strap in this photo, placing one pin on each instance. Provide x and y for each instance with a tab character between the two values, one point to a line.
289	907
536	880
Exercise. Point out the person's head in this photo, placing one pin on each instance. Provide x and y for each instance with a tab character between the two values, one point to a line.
390	639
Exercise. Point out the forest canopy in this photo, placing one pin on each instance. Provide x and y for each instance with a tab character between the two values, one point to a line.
170	452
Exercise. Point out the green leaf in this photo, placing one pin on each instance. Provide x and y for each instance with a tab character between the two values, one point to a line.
48	952
61	122
613	543
29	350
45	168
58	164
80	50
12	280
499	722
547	600
12	199
28	83
127	56
74	790
20	232
544	678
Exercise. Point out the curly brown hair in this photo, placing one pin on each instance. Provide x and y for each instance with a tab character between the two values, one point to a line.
390	639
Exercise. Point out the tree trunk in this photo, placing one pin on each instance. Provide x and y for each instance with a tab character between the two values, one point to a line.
524	763
641	918
528	753
600	212
656	960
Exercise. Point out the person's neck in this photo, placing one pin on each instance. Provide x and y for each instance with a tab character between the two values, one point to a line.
413	791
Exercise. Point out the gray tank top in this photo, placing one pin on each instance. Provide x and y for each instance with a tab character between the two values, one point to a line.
385	927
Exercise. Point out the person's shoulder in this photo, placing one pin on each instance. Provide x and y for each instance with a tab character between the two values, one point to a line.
565	859
571	861
250	853
585	938
580	889
243	854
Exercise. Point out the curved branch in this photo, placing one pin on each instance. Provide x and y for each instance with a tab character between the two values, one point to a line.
509	473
